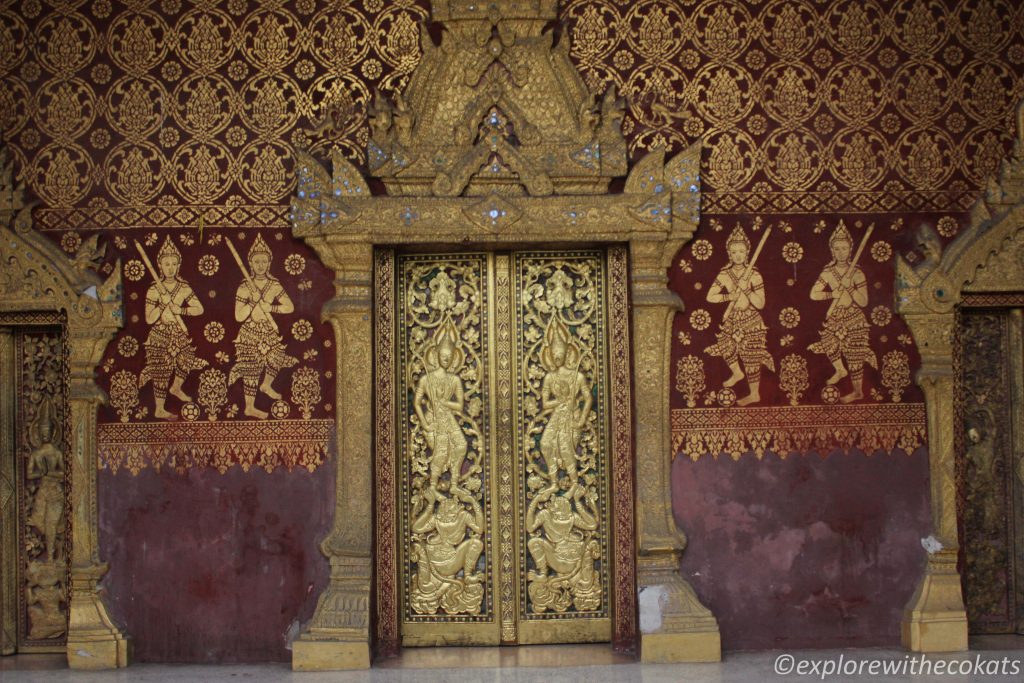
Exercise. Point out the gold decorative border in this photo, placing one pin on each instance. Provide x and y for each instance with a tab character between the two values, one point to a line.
265	444
384	451
624	612
784	430
506	474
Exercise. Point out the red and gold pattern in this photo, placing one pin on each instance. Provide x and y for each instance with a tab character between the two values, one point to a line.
144	115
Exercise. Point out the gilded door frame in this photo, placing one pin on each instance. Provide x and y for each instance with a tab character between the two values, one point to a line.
620	429
37	282
984	263
655	214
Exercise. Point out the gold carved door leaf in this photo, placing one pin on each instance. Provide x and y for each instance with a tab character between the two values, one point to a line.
503	486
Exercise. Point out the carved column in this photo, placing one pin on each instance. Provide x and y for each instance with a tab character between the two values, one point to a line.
935	619
8	499
338	635
674	625
94	642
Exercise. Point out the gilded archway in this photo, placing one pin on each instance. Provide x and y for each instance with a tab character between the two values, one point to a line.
36	278
496	143
986	258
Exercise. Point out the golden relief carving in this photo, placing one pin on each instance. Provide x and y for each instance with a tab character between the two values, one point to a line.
562	360
443	355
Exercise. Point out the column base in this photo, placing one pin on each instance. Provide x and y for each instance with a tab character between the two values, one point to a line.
935	619
94	642
329	655
338	635
674	625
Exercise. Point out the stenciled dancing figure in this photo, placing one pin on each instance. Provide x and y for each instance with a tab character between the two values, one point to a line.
742	339
259	348
844	337
170	356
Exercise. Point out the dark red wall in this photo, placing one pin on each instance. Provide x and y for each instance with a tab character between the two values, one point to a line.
806	552
214	567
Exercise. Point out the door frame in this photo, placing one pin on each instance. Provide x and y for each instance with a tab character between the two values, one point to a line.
622	553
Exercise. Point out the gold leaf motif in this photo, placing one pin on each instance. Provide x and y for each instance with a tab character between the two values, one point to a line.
920	30
134	181
401	45
923	164
64	49
64	178
789	34
923	96
590	34
722	35
790	97
795	164
856	33
985	27
656	38
264	177
135	46
859	166
271	44
132	105
208	38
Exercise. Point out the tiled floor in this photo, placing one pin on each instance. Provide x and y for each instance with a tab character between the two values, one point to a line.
589	664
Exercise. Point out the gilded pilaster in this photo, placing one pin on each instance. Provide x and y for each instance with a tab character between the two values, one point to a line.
94	641
674	625
338	635
935	619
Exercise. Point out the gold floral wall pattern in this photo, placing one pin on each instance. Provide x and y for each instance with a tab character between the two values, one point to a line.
170	117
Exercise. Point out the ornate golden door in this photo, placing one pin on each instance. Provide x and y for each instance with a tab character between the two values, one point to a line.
501	380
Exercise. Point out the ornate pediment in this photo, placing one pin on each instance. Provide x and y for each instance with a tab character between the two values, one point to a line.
36	275
987	256
496	107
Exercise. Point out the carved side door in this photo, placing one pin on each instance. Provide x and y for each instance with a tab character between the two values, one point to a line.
502	494
33	491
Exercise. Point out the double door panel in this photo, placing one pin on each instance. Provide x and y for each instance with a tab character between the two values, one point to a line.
503	501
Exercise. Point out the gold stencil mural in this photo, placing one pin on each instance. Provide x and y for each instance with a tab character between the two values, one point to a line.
131	112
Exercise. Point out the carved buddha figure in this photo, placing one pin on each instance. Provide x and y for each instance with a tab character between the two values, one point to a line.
447	542
438	403
567	400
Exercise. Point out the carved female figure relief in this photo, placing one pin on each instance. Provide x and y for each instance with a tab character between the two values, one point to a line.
46	467
566	400
439	398
446	534
561	317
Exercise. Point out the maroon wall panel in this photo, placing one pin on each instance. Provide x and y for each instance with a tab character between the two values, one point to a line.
806	552
214	567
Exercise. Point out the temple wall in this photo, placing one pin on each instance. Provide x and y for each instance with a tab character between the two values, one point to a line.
175	120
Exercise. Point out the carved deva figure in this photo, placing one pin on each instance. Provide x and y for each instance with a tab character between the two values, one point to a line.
438	405
844	337
43	597
259	349
742	339
446	542
566	547
46	468
566	399
169	351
